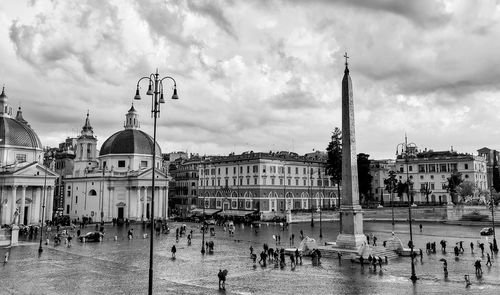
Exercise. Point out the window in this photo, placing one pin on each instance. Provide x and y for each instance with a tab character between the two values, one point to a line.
296	182
442	168
272	181
212	171
401	169
432	185
263	168
69	193
234	181
255	169
241	170
296	170
305	183
76	200
248	169
289	182
248	181
422	186
421	168
121	163
241	181
289	170
21	158
466	166
410	168
255	181
227	170
218	182
281	181
304	170
466	175
432	176
218	170
234	170
421	177
144	164
432	168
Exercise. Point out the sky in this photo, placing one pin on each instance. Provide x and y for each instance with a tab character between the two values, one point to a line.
261	75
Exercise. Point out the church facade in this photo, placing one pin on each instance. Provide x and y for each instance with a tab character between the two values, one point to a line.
26	185
116	181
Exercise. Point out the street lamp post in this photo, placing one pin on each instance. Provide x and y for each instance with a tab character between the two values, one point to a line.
156	99
321	203
392	205
310	194
492	204
405	149
203	224
40	250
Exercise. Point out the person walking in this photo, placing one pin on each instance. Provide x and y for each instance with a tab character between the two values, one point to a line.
420	226
472	247
6	257
174	249
488	257
461	247
481	246
445	267
374	241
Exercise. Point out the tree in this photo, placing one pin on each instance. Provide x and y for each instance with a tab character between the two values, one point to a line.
426	192
496	172
467	189
334	163
364	177
391	183
453	182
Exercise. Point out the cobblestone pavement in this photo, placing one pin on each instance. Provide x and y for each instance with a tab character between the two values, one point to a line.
121	267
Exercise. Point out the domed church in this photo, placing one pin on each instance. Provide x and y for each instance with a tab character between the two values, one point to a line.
117	183
24	182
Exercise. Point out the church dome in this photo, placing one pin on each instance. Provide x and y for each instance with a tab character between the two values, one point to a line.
17	133
129	141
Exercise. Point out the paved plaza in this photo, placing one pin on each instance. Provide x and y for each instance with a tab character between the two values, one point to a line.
121	267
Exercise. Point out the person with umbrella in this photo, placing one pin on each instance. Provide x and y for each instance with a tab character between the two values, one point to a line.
445	266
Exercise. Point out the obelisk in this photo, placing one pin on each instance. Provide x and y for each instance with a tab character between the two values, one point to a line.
352	236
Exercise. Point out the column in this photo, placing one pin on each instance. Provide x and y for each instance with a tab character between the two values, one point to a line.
144	202
13	204
166	202
138	204
23	204
35	206
128	202
50	203
4	203
112	204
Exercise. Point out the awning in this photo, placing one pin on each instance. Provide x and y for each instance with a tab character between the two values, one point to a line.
238	213
199	211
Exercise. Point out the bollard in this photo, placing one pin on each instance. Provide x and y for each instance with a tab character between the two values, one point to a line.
251	226
47	242
83	240
242	225
116	238
144	236
100	239
267	224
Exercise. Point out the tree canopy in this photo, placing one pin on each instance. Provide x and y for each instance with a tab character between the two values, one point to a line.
364	177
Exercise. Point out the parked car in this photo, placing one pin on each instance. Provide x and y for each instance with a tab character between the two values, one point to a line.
487	231
93	236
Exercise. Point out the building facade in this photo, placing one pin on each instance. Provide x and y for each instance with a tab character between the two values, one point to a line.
26	185
115	183
429	171
379	170
268	183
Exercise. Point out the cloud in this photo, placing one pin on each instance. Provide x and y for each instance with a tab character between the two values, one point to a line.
214	11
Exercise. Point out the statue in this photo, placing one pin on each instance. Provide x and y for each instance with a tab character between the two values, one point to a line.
16	217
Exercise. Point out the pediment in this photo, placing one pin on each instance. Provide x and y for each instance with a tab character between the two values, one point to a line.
147	175
35	169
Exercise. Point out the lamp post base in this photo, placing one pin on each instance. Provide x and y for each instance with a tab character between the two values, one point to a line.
413	278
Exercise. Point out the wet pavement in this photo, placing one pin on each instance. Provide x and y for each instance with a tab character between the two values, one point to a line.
121	267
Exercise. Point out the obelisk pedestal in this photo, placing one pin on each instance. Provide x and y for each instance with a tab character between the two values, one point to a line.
352	236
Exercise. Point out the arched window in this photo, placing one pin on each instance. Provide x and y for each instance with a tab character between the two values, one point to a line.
92	192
